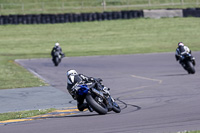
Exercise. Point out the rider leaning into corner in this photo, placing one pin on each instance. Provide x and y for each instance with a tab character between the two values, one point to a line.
73	79
182	49
57	48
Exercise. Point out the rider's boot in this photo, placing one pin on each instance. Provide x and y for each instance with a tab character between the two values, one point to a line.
90	108
82	106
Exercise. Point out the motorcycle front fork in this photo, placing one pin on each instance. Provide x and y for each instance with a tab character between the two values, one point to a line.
193	62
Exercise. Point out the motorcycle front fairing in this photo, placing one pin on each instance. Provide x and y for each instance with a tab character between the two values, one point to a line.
57	54
82	90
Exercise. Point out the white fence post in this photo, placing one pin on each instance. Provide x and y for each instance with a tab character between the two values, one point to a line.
127	2
197	2
82	3
172	2
63	5
104	4
42	6
23	7
149	1
182	2
1	8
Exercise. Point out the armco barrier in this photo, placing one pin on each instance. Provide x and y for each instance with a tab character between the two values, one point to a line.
68	17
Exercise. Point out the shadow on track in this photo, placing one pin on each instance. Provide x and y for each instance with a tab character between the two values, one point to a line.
122	105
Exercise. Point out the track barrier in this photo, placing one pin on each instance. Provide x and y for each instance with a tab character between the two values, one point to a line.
191	12
68	17
83	17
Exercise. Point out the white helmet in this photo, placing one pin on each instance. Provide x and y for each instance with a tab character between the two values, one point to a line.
57	44
71	75
180	44
71	72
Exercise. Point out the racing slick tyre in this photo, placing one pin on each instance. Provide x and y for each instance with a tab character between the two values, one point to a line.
191	69
56	61
98	106
116	108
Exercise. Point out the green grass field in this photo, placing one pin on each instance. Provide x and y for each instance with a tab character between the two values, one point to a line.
88	39
78	6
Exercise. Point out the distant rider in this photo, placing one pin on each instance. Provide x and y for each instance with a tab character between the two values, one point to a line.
180	50
57	48
74	79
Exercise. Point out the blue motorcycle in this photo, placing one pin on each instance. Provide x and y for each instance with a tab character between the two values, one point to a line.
99	100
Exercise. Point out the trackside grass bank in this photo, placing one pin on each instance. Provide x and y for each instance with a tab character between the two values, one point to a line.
88	39
23	114
189	132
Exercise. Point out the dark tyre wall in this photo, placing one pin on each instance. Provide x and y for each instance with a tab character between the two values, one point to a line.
191	12
68	17
83	17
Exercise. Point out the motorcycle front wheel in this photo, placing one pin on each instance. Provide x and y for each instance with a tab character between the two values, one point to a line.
96	104
116	108
56	61
190	67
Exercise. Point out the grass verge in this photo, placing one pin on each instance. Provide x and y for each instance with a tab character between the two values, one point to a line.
23	114
189	132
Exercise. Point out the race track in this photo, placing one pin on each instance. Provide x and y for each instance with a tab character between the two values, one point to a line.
154	92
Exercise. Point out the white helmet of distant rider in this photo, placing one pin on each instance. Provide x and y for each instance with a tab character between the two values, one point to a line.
57	44
180	44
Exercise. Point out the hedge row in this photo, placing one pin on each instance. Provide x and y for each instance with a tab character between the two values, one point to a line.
69	17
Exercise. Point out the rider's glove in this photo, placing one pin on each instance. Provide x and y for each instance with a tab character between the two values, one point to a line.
177	57
91	79
75	88
62	55
106	90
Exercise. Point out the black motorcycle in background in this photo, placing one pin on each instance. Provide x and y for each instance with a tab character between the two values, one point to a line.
188	62
57	58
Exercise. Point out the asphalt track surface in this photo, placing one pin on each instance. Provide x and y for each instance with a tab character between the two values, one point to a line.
154	92
35	98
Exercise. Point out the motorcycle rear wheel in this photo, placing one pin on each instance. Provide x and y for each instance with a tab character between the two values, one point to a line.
101	109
